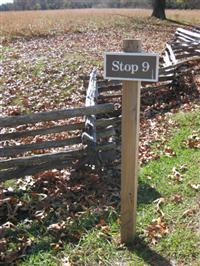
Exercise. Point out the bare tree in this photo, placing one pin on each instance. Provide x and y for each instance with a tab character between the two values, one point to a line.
159	9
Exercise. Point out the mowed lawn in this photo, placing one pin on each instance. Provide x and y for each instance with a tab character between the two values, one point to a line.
77	222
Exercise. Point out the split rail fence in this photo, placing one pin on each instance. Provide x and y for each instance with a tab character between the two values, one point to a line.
175	62
17	160
91	141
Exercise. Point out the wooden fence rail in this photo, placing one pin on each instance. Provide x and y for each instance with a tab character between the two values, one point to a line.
91	139
90	135
182	49
54	115
29	163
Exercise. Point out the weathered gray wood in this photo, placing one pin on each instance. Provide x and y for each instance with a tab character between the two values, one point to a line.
110	88
185	48
108	132
143	90
176	70
55	115
49	157
188	33
194	58
110	96
106	122
166	77
14	150
168	71
91	98
21	172
42	131
59	162
154	88
166	59
187	55
41	158
172	55
53	130
182	45
183	38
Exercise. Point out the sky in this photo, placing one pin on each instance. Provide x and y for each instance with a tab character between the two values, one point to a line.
5	1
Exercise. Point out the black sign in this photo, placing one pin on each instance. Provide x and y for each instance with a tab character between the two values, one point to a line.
131	66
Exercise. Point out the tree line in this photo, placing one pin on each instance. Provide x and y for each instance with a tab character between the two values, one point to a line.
61	4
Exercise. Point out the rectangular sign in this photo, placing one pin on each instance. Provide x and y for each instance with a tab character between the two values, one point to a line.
131	66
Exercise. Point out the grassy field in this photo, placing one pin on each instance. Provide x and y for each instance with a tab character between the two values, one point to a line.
63	218
45	23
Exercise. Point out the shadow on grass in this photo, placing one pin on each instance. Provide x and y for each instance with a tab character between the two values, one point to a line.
147	254
140	23
179	22
85	199
147	194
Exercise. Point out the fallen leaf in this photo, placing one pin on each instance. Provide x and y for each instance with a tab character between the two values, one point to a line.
56	227
176	175
168	151
193	141
195	186
56	246
177	198
189	212
40	215
156	230
8	225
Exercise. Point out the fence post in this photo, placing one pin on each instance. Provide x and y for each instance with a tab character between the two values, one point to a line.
130	139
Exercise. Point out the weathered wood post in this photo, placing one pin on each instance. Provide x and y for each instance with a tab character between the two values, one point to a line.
132	67
130	139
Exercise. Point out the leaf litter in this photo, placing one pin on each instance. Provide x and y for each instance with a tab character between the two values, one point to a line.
42	74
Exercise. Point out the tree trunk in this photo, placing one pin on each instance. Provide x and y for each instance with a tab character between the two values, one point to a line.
159	9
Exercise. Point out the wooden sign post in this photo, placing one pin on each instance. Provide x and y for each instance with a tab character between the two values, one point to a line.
130	139
132	66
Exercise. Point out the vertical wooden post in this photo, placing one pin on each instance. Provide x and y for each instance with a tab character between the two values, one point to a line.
130	139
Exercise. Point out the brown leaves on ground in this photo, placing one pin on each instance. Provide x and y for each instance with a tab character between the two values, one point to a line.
178	173
189	212
156	230
56	227
159	202
55	201
13	247
193	141
177	198
168	151
196	187
57	246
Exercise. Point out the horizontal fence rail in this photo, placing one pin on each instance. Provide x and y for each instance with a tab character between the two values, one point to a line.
54	115
90	140
32	163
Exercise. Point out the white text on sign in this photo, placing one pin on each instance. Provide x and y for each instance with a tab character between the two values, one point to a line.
133	68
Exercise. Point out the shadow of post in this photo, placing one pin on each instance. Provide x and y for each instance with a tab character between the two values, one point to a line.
147	254
147	194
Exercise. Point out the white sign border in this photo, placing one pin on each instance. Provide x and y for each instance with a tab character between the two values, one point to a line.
134	54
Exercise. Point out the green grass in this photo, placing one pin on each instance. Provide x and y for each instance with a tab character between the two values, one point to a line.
3	51
100	245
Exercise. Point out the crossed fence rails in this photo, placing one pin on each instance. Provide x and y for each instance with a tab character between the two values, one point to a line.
94	137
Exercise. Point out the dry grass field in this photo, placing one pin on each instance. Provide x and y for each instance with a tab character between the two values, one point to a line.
44	23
